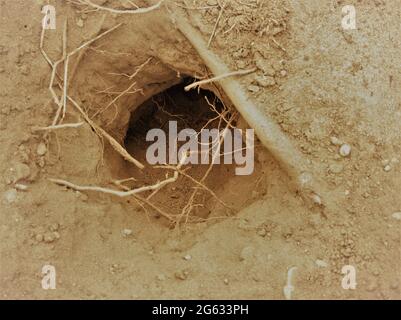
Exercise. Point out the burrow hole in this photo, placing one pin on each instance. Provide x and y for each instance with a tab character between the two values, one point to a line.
190	110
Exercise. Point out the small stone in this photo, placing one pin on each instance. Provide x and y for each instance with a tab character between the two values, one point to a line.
10	196
21	187
283	73
387	168
253	88
246	253
345	150
127	232
188	257
226	281
42	149
181	275
321	263
241	64
265	81
397	215
262	232
264	65
316	199
335	141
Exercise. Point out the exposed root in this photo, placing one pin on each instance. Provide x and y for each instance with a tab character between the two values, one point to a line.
59	126
117	193
62	105
190	204
267	130
216	24
118	11
220	77
128	193
126	91
202	185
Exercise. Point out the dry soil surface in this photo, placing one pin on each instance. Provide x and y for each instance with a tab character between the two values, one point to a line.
324	86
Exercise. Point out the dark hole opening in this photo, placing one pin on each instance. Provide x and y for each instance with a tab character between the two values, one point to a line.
194	110
189	109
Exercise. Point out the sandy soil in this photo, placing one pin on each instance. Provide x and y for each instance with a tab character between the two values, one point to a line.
324	87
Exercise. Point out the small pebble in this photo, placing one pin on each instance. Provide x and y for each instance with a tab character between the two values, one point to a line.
188	257
181	275
42	149
127	232
397	215
387	168
262	232
345	150
211	2
253	88
265	81
264	65
316	199
335	141
21	187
